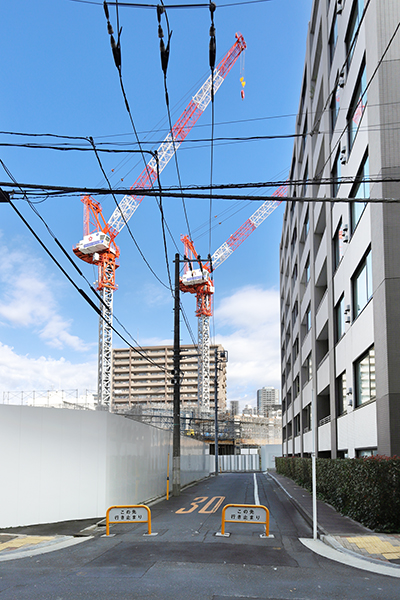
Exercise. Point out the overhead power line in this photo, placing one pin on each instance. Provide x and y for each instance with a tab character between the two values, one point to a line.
191	191
171	6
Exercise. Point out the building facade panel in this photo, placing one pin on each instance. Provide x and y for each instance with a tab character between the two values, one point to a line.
344	253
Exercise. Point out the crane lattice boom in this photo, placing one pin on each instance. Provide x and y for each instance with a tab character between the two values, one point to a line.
180	130
98	244
198	281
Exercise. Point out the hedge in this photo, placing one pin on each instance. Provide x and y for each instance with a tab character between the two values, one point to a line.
365	489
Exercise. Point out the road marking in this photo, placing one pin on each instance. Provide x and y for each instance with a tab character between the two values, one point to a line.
200	500
219	499
194	505
256	497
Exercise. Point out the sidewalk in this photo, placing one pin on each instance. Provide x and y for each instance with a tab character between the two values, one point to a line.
22	542
342	533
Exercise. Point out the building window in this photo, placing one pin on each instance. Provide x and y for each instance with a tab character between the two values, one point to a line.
288	367
362	285
296	387
365	452
336	174
307	370
360	190
289	399
296	422
338	247
307	271
357	106
294	274
341	392
339	319
295	349
334	107
303	94
333	39
364	375
308	319
294	240
352	31
295	313
304	139
307	418
292	207
306	226
305	182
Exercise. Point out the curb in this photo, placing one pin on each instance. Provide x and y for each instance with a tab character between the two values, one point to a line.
304	513
330	541
57	544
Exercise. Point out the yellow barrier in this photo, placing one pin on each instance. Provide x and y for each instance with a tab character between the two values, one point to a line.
246	513
134	513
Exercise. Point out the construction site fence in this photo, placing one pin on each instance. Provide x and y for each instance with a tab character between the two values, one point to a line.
72	398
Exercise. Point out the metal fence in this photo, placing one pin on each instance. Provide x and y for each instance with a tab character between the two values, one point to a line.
52	398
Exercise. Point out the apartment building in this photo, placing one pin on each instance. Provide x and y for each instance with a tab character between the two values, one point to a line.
267	400
143	376
339	260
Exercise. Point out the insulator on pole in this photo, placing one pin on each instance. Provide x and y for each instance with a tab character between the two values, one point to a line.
105	6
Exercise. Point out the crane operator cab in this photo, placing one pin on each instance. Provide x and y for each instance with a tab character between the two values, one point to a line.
195	277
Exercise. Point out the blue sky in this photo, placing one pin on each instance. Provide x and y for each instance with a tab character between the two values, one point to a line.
59	77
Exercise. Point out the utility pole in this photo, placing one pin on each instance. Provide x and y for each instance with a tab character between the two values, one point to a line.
221	355
216	410
176	439
314	463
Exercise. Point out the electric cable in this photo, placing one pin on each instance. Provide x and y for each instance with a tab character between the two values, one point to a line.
342	70
171	193
363	93
123	216
7	199
172	6
212	56
116	50
164	52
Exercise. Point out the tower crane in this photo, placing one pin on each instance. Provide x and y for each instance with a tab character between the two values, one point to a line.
199	281
98	245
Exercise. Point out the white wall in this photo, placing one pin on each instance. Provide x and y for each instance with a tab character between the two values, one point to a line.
268	454
61	464
235	462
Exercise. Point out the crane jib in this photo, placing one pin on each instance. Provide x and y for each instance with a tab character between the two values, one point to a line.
106	260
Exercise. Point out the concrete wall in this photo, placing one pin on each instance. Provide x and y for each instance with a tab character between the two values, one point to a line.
61	464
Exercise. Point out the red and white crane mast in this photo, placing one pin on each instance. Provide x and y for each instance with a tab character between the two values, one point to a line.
98	245
198	281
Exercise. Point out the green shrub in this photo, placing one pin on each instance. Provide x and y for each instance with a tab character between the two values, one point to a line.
365	489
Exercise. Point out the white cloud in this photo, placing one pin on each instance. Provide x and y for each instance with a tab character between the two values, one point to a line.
250	318
249	324
27	300
25	373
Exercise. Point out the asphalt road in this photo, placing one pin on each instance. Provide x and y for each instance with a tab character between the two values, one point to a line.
186	560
